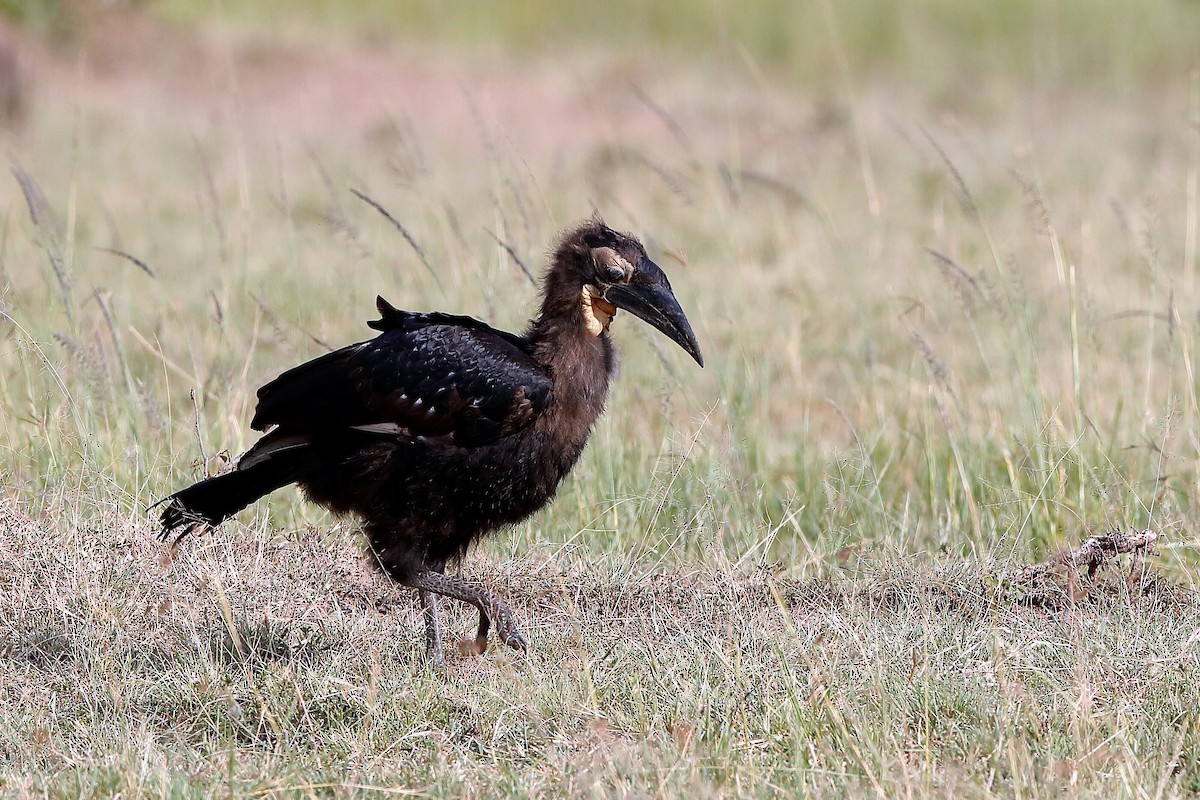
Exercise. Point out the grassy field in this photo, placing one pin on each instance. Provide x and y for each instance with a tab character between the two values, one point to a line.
944	268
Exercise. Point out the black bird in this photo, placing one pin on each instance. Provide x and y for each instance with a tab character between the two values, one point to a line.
442	429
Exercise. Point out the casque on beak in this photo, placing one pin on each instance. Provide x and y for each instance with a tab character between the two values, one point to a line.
648	296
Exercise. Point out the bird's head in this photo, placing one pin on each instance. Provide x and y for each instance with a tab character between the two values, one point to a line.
613	271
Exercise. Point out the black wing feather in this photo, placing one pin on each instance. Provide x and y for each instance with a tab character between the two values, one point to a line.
437	376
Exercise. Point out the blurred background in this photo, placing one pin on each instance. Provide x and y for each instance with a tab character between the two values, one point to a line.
1110	44
940	253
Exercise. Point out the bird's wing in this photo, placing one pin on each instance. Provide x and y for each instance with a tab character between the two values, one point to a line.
444	379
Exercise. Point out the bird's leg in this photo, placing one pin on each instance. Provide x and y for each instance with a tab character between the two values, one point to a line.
476	648
491	608
433	628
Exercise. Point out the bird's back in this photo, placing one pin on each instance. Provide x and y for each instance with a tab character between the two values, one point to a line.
448	379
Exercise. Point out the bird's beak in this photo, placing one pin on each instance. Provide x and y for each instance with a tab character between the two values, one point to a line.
648	296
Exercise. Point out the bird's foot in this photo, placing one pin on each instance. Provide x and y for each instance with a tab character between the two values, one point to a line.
511	637
516	642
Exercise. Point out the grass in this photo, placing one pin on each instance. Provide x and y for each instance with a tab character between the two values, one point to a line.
950	327
1015	37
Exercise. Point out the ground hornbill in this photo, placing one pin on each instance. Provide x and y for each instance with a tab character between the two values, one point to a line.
442	429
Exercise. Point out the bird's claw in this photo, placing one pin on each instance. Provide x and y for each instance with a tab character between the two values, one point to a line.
514	640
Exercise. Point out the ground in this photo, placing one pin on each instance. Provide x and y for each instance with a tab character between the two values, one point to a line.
945	280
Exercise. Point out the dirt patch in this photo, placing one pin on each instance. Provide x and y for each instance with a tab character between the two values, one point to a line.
968	589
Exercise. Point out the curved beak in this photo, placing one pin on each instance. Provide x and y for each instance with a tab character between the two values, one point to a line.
648	296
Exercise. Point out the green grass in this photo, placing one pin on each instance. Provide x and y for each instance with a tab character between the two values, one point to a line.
782	575
936	42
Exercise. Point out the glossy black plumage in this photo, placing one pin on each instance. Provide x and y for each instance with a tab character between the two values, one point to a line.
442	429
434	376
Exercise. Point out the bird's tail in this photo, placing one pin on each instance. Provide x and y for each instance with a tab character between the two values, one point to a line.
214	500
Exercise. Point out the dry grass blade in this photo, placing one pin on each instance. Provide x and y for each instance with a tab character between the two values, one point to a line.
214	200
512	253
336	213
90	359
966	199
40	212
137	262
276	324
47	222
965	282
101	298
793	194
408	237
196	429
671	124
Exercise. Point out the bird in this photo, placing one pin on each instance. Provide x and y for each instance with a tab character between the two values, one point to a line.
442	429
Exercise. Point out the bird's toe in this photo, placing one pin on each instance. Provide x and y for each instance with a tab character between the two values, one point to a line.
515	641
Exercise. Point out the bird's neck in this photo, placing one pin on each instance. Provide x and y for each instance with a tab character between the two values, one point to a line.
570	339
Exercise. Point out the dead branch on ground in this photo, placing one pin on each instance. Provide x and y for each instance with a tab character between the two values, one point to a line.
1095	553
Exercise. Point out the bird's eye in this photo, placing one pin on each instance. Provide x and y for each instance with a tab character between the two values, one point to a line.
614	273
